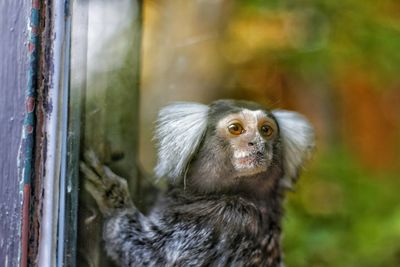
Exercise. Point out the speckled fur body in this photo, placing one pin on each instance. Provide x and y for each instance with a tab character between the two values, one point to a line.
190	230
212	214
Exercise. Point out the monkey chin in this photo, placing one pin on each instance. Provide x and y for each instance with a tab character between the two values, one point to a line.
249	166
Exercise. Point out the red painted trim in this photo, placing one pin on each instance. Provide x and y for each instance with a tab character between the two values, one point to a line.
25	226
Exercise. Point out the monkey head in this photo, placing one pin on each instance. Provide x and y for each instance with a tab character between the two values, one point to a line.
248	137
230	143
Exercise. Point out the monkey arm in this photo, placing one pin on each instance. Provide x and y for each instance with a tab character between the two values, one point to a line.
128	234
133	239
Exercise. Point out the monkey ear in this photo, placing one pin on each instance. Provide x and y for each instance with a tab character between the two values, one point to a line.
180	128
298	142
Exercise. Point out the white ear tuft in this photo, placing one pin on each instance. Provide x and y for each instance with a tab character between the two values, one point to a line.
298	142
180	128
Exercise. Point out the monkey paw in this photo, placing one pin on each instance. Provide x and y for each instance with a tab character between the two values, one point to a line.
108	189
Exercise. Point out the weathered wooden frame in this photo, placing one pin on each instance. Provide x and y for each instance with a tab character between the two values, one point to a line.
36	185
41	115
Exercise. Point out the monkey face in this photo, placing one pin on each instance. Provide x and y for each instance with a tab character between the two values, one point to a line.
217	147
250	135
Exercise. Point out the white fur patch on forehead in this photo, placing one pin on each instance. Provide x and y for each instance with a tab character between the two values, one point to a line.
253	115
180	128
247	116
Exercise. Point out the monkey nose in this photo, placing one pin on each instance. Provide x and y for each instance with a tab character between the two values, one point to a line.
260	154
250	143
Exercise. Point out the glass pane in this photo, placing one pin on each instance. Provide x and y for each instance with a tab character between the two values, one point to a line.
105	77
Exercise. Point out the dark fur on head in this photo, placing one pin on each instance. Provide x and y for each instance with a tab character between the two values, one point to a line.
228	165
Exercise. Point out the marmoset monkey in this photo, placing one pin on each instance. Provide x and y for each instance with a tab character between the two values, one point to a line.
228	165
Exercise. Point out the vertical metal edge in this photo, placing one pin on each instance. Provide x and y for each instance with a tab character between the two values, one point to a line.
64	178
27	144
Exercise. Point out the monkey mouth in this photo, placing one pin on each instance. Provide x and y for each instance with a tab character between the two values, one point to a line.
250	163
249	160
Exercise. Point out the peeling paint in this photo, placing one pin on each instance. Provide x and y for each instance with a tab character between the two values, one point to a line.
16	118
27	143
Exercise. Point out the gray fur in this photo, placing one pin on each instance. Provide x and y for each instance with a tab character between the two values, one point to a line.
218	219
180	128
298	142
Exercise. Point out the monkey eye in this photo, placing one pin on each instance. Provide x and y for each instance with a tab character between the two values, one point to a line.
267	130
236	128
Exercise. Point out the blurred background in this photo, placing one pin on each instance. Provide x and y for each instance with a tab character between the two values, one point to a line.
337	62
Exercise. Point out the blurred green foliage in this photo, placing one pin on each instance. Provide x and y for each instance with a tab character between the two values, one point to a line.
361	33
343	215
